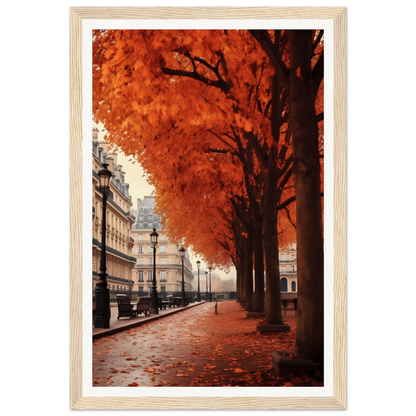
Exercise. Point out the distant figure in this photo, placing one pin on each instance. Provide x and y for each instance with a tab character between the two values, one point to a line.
295	303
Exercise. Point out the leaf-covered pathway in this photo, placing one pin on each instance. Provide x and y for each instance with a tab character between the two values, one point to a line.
195	347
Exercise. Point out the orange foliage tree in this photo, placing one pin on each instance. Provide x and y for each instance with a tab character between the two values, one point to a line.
301	75
208	114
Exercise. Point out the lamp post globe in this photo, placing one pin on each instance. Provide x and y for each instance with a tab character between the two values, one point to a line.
198	297
182	254
154	302
102	294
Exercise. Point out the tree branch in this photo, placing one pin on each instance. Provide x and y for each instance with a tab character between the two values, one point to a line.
218	151
221	84
286	203
288	217
265	42
241	215
318	39
219	138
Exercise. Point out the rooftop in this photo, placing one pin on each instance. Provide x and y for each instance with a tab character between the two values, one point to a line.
146	217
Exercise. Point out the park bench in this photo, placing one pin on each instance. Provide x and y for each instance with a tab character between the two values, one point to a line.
143	305
176	302
293	303
125	308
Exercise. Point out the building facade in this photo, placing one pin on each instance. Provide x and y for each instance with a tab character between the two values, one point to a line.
288	270
168	260
119	221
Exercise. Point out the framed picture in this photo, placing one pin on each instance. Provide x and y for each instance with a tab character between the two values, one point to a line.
264	28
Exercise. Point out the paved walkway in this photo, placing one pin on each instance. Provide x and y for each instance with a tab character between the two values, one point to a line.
194	347
122	324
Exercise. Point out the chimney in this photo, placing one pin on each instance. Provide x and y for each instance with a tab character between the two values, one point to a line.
114	157
95	134
110	162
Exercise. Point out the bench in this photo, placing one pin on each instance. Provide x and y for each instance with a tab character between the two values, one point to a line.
143	305
176	302
289	302
125	308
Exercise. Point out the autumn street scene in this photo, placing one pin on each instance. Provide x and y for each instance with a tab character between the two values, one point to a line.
196	348
207	208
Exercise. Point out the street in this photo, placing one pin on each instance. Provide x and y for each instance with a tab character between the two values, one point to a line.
195	347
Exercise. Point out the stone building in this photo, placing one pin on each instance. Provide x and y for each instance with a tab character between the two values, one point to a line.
119	243
288	270
168	260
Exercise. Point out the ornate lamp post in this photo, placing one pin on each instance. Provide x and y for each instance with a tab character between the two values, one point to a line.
198	296
182	253
102	294
206	286
153	305
210	285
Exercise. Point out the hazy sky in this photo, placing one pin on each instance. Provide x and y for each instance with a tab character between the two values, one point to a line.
139	188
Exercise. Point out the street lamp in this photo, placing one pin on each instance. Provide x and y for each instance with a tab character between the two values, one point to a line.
182	253
102	294
210	285
206	286
198	297
153	240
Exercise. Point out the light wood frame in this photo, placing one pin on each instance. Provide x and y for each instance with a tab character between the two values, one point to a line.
338	17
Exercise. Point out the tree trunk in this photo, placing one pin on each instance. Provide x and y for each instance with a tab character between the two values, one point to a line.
270	232
306	175
271	250
258	268
247	265
237	265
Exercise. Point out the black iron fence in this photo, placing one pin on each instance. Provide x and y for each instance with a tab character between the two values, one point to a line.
191	295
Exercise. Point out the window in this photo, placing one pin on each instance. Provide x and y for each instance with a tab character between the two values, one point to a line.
141	262
140	217
163	238
293	268
163	288
163	261
283	285
282	268
283	257
140	289
140	275
293	257
293	286
141	237
140	249
163	276
150	249
150	275
150	260
163	249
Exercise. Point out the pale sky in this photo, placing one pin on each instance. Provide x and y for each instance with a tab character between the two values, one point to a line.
139	188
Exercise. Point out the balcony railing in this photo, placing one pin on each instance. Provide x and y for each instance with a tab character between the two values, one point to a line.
161	266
